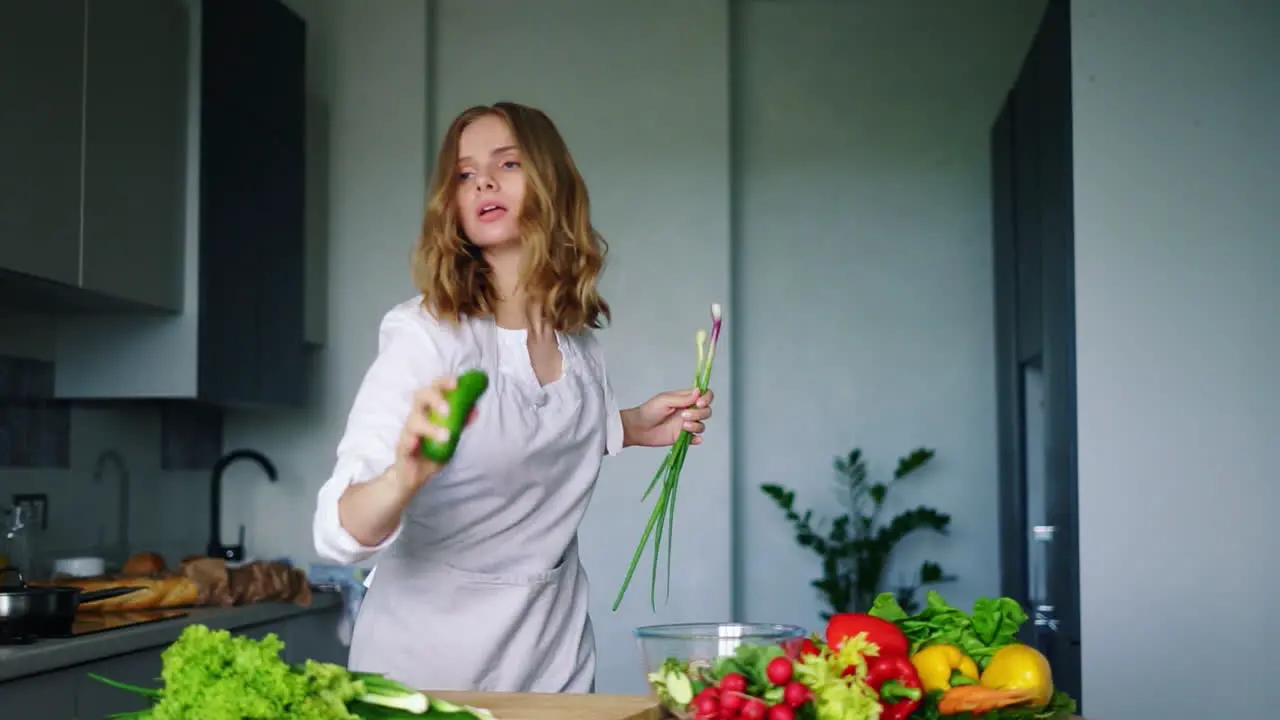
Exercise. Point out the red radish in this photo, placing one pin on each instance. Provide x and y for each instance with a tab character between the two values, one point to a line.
706	707
796	694
732	702
809	648
779	670
733	683
781	712
755	709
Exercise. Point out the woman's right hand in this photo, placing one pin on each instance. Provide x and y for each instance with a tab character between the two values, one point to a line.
412	467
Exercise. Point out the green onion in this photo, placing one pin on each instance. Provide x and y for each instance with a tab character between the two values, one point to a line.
664	510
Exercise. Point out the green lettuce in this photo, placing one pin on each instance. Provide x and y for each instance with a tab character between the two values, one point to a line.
993	624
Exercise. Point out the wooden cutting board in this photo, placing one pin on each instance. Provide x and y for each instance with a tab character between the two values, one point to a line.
539	706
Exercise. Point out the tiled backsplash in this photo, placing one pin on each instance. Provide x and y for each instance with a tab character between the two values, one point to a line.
51	447
24	378
190	435
36	431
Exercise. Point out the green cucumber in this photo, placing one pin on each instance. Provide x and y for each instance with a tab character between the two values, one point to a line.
680	687
462	400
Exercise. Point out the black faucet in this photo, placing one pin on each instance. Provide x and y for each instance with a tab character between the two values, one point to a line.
233	553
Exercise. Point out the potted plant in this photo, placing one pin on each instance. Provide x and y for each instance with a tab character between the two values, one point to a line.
855	549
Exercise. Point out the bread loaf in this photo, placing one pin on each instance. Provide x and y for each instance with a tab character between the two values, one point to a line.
144	563
156	592
200	582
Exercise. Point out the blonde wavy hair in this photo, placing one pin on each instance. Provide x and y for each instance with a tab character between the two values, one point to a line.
563	254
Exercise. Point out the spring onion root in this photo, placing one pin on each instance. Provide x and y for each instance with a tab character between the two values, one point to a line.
668	475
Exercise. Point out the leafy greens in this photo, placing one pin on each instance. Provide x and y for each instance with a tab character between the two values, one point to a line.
993	624
215	675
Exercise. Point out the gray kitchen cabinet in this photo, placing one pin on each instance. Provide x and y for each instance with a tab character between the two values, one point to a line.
316	321
69	692
52	696
251	349
306	636
95	700
93	136
313	636
41	89
135	146
242	342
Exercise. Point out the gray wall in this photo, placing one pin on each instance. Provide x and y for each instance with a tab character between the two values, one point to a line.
864	272
1178	327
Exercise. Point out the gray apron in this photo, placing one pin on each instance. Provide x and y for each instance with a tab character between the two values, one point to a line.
484	589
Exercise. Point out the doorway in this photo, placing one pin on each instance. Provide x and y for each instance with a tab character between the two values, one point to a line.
1031	152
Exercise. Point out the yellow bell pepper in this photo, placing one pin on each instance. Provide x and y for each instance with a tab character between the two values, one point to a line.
1020	667
936	665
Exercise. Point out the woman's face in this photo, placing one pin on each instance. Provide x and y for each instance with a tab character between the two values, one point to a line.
490	183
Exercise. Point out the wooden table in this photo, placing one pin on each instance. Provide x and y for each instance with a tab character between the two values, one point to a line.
539	706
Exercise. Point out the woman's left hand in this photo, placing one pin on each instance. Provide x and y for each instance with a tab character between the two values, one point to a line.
658	421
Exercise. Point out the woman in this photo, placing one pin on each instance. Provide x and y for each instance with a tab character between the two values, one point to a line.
480	586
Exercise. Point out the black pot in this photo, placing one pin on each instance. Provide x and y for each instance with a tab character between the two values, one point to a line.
29	612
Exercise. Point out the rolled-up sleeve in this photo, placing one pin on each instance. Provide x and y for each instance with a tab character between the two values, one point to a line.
409	357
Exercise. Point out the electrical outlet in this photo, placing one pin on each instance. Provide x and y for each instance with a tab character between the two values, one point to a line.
37	505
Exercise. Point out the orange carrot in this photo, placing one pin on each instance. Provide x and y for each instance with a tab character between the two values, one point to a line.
977	700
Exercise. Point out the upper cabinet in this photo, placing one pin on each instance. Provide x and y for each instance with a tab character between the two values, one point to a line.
253	126
93	108
135	147
241	338
315	326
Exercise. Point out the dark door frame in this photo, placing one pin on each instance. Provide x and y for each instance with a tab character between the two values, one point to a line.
1034	278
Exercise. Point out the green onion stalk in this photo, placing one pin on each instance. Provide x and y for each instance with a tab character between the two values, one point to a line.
668	475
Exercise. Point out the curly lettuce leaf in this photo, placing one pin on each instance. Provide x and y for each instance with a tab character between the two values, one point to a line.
214	675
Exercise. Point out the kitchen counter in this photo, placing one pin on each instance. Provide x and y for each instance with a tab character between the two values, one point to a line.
42	656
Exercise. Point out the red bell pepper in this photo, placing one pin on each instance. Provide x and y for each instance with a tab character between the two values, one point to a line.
884	634
896	681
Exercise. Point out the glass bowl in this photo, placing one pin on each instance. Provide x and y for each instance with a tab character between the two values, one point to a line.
694	645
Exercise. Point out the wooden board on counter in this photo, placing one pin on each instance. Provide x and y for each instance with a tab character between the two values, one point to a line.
545	706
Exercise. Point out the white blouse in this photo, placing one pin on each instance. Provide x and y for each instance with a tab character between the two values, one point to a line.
480	587
534	497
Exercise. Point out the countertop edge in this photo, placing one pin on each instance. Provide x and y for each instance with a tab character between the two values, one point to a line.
21	661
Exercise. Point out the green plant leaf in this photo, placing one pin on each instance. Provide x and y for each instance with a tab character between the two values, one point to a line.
853	548
930	572
877	493
912	462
